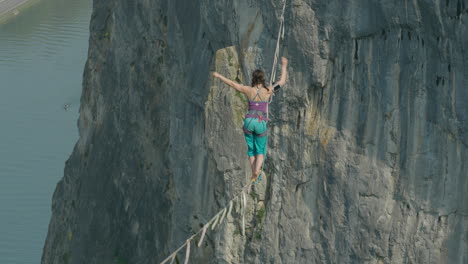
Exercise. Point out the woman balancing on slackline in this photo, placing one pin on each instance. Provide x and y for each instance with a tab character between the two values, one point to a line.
255	129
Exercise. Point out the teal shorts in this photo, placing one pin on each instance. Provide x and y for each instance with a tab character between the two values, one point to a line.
256	145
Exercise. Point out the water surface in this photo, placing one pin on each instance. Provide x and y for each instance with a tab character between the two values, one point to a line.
42	55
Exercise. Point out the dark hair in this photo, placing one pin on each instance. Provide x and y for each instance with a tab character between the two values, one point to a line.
258	77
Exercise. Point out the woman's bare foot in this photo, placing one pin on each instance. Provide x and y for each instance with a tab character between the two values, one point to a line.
255	176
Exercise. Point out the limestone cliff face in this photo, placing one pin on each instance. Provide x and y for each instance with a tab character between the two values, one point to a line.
368	147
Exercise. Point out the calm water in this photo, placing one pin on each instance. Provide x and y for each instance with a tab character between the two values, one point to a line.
42	55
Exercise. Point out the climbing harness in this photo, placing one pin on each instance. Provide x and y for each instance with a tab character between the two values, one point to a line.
258	110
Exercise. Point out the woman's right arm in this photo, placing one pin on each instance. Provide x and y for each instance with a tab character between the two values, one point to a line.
277	85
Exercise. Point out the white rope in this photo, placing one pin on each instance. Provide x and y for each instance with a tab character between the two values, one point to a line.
280	36
243	205
276	55
202	235
187	253
214	221
223	215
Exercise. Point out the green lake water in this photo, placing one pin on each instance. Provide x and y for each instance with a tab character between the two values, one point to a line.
42	55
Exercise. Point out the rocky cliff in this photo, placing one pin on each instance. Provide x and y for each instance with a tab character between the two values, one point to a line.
368	146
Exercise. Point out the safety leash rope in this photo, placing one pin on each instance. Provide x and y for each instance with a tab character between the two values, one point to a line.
276	55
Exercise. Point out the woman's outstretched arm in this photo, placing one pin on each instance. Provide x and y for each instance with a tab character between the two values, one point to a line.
239	87
284	65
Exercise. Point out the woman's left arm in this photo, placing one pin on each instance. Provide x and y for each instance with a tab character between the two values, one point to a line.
239	87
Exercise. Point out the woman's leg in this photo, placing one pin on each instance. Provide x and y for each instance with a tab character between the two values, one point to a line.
252	165
249	127
260	145
258	164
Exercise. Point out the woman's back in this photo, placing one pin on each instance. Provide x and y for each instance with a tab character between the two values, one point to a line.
258	94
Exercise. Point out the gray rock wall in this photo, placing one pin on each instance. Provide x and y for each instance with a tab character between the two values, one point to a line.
367	147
